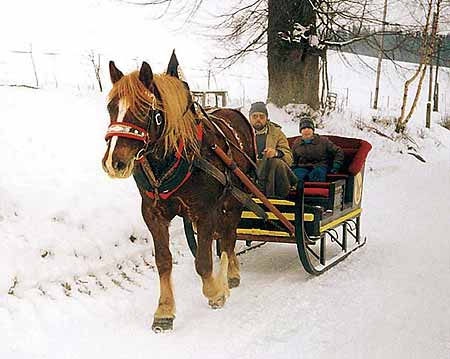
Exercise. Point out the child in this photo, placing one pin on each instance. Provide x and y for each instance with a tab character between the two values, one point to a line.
313	154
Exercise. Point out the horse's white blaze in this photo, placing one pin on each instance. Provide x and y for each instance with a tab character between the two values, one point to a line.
122	111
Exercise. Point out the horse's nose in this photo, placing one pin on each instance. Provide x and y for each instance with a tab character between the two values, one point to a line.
119	165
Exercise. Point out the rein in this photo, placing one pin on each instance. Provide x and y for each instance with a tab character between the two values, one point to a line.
180	170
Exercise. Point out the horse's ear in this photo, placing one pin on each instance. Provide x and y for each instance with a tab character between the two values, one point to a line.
173	66
146	74
114	72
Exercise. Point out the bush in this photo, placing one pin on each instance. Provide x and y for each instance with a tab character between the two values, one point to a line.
445	122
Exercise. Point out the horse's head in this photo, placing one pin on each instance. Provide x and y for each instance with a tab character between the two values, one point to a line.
137	119
148	114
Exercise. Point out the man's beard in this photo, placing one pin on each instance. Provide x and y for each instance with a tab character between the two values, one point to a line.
259	126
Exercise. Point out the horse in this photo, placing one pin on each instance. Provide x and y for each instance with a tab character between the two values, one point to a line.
158	135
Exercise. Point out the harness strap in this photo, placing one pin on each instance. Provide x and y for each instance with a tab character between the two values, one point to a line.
175	169
213	126
128	130
241	196
238	148
150	175
207	120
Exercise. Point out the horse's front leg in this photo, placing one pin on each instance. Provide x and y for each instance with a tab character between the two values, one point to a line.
165	313
228	244
234	276
215	288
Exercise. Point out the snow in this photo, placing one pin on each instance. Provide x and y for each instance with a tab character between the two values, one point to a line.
78	270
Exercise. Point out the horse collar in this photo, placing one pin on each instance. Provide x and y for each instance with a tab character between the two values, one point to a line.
175	173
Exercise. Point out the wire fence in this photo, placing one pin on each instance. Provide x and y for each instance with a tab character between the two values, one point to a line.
63	70
25	67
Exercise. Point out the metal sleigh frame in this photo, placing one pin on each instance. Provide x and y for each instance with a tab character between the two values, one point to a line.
336	235
326	229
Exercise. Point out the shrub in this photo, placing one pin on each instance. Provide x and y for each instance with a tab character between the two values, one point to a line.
445	122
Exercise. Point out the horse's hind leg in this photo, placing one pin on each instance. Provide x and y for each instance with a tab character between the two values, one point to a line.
215	288
165	313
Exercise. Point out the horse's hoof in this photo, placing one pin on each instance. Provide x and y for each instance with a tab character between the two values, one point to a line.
161	325
234	282
217	303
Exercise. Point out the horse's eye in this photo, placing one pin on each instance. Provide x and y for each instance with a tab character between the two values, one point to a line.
158	119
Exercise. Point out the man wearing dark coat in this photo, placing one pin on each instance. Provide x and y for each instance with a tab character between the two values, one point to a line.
275	176
314	154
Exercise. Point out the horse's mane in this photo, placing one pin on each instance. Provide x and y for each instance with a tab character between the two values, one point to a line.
175	102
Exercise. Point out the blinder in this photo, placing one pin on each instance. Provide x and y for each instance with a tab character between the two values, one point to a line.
157	119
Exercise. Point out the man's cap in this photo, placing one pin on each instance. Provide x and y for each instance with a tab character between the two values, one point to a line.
306	122
258	107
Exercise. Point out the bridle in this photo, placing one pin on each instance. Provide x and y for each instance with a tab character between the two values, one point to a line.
132	131
178	167
127	130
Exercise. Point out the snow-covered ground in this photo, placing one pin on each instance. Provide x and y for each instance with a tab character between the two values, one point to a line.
78	274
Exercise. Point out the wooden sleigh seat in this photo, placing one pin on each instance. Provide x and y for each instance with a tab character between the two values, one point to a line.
343	189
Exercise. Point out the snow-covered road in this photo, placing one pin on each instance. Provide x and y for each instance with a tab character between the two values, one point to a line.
84	290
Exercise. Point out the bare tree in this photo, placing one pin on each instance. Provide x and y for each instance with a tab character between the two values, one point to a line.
380	57
96	66
187	8
294	34
426	57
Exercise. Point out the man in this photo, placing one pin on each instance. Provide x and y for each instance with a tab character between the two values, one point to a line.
313	154
275	177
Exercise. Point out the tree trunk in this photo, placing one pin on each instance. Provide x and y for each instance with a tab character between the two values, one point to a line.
293	68
426	52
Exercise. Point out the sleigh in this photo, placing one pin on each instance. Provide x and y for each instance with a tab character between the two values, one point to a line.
323	219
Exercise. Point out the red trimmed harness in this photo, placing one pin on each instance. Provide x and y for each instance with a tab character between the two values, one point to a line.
179	155
128	130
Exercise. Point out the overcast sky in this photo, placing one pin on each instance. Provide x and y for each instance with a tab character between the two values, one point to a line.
76	26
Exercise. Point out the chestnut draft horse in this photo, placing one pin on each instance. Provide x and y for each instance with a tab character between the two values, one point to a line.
158	135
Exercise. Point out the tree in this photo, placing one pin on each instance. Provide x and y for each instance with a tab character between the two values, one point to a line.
96	67
427	51
295	35
293	68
